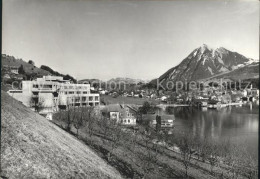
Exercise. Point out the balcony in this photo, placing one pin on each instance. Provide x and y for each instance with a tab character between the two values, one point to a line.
43	89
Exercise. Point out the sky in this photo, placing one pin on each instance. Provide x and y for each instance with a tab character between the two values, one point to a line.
140	39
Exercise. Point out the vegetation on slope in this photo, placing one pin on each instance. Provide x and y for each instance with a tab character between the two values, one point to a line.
66	77
30	70
33	147
147	152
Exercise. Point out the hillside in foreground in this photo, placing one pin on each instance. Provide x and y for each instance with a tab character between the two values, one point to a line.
33	147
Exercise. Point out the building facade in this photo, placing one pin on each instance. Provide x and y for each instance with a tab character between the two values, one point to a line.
123	114
51	93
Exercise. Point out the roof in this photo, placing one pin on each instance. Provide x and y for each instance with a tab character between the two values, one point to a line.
134	108
113	107
118	108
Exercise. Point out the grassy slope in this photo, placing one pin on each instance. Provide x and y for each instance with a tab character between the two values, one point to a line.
247	72
33	147
250	71
28	68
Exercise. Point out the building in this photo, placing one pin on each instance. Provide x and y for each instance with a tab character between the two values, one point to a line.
17	76
51	93
10	69
164	98
213	104
200	102
164	121
7	76
123	114
14	70
254	92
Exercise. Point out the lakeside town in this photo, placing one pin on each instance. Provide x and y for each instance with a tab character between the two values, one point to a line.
120	112
150	116
52	93
130	89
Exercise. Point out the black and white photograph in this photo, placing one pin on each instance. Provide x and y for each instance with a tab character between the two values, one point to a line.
138	89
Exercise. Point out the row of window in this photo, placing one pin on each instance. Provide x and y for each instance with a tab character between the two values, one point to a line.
128	121
75	92
42	86
62	87
127	114
74	87
77	99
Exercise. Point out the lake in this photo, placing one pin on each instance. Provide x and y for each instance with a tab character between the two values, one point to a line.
239	124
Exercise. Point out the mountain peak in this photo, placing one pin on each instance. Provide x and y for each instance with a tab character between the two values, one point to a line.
205	62
222	50
204	47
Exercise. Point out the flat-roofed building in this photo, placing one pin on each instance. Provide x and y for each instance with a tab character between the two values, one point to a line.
51	93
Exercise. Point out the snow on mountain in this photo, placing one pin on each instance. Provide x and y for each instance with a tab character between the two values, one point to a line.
204	62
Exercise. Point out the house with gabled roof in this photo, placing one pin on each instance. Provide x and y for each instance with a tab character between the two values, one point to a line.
122	113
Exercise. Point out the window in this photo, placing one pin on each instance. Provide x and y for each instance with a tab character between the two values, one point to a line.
78	92
66	92
45	86
84	98
85	92
91	98
77	100
128	120
128	115
71	92
15	91
96	98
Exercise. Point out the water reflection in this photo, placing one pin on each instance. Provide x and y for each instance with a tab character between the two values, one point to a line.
238	123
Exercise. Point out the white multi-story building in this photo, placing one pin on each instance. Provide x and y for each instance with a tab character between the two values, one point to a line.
51	93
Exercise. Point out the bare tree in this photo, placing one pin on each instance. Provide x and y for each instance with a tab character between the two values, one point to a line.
201	148
78	122
232	160
213	155
115	133
186	145
248	164
71	114
104	125
250	169
151	149
90	119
